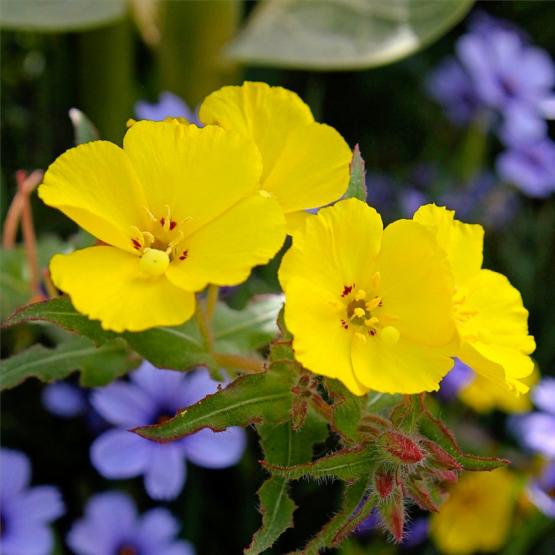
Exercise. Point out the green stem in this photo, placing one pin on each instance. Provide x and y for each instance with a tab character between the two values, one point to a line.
211	301
239	362
203	326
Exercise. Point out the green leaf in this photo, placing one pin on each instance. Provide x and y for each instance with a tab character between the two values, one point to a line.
348	464
357	182
342	34
353	496
83	128
59	15
347	410
282	445
14	273
98	365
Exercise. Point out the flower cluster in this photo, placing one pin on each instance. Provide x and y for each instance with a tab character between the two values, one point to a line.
181	206
411	296
501	80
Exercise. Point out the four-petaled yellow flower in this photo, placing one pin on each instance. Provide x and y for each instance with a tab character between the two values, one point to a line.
306	164
491	319
177	208
477	514
368	306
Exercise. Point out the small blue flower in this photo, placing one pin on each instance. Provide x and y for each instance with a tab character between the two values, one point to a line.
536	430
111	526
540	491
64	399
151	396
25	513
169	105
530	167
459	376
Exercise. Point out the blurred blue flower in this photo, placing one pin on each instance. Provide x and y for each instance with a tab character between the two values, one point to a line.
64	399
416	532
111	526
505	69
530	167
25	513
536	430
169	105
459	376
151	396
540	491
452	88
521	125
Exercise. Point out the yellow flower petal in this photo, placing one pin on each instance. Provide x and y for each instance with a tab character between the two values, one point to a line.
306	164
107	284
295	221
497	328
197	173
224	251
320	343
403	367
337	247
416	283
463	243
95	185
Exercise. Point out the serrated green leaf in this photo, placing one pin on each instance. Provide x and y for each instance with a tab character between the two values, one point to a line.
59	15
282	445
98	365
83	129
350	464
357	181
342	34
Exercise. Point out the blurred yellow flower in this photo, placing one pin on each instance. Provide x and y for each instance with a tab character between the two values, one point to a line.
477	514
483	395
491	319
370	307
306	164
177	208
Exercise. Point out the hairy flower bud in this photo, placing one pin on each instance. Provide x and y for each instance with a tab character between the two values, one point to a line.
392	513
384	482
401	447
420	493
438	457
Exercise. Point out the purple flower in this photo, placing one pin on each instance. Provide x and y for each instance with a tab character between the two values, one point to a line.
459	376
168	106
64	399
505	69
452	88
151	396
111	526
416	533
25	512
521	125
536	430
530	167
411	200
541	491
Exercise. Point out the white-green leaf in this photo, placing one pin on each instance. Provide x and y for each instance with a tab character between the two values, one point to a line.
342	34
59	15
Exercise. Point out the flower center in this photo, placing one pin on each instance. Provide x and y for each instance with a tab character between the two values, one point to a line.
365	315
154	262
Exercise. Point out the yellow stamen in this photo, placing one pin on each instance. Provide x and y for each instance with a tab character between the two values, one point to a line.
372	304
360	295
358	313
376	278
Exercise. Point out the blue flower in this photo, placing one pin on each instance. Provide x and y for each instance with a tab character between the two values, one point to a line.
459	376
111	526
540	491
64	399
25	513
530	167
168	106
536	430
151	396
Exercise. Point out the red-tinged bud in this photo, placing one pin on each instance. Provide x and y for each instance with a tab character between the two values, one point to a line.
392	513
445	476
437	456
401	447
384	482
421	495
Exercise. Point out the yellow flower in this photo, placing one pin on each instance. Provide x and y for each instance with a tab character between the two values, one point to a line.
491	319
477	514
368	306
483	395
178	207
306	164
